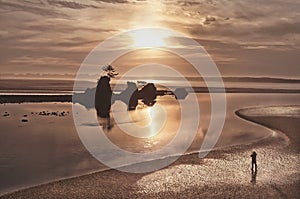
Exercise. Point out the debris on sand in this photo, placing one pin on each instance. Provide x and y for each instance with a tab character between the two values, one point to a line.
24	120
53	113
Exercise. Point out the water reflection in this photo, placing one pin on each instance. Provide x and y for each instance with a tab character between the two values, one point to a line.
144	122
145	128
253	176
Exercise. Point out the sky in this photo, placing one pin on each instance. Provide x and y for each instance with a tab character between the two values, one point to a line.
243	37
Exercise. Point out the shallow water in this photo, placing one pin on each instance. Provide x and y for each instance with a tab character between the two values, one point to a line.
48	147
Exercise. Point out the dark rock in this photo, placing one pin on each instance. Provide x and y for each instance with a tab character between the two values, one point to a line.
148	94
103	97
180	93
129	96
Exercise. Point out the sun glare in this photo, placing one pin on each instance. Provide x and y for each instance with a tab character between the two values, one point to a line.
149	38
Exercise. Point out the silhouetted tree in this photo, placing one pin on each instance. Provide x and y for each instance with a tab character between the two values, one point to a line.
110	71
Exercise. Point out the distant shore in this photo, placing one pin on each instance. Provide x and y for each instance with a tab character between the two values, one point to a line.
23	98
223	173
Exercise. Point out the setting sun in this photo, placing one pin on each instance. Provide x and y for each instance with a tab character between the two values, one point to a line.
149	38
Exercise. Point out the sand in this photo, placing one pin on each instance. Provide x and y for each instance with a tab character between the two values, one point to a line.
222	174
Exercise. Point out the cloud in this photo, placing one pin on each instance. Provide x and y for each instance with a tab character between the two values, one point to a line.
209	19
39	60
35	8
236	21
70	4
240	35
188	3
113	1
255	47
53	7
281	28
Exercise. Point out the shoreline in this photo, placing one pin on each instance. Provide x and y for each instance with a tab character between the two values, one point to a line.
217	150
58	97
262	120
189	159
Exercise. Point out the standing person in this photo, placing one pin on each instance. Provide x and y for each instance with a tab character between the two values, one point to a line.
253	156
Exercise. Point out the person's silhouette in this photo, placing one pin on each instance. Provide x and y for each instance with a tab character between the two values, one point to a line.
253	156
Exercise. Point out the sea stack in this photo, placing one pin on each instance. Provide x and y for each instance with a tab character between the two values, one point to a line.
103	97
